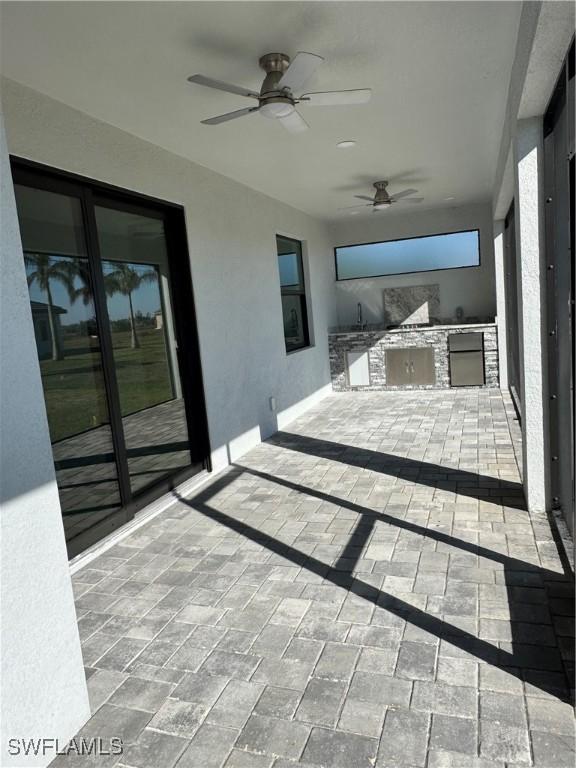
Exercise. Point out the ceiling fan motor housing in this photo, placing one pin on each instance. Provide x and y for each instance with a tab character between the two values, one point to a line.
274	62
275	102
381	198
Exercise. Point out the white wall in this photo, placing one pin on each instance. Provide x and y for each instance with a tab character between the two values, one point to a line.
471	288
42	686
231	238
530	249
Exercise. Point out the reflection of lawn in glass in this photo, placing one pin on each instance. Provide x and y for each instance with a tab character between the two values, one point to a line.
74	392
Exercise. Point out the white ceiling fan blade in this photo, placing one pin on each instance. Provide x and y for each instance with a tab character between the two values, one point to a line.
404	193
294	123
355	207
408	200
221	86
364	197
337	98
302	67
229	116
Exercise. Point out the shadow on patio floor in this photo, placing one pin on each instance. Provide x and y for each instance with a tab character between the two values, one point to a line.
537	662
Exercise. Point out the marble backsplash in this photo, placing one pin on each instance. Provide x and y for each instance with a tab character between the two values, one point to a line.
412	305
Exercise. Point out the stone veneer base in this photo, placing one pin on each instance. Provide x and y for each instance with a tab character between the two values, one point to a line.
377	342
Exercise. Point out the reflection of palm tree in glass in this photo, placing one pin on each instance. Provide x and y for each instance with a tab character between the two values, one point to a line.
125	279
84	292
46	269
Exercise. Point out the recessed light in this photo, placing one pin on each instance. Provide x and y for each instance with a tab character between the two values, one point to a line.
449	198
348	144
354	213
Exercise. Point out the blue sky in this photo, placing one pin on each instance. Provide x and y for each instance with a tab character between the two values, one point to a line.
459	249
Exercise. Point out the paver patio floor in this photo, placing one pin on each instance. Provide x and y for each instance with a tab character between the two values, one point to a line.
364	589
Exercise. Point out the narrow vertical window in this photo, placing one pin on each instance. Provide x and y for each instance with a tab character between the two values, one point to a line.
293	293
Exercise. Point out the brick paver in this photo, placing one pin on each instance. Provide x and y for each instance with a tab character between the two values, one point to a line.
364	589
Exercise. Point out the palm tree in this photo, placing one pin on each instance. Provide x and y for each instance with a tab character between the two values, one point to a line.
125	279
47	269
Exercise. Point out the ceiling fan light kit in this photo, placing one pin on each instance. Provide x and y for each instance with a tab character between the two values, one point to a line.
276	99
277	108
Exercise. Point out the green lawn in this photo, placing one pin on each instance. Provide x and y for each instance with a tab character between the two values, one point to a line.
74	387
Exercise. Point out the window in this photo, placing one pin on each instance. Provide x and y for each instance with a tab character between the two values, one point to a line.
415	254
293	293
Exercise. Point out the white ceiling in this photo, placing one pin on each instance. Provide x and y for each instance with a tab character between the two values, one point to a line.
439	73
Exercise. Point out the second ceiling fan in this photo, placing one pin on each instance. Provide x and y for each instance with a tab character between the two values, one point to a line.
276	97
382	199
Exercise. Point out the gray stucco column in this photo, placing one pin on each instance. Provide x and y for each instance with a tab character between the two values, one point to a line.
43	688
530	250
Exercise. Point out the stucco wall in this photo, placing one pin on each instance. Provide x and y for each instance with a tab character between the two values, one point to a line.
231	239
471	288
42	687
530	248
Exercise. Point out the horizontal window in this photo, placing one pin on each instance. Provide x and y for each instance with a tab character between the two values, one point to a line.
415	254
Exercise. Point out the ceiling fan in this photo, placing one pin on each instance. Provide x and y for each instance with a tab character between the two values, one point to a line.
276	98
382	200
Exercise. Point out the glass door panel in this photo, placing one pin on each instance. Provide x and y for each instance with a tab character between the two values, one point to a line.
68	344
137	285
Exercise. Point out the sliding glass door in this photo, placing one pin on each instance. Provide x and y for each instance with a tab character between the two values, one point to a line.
136	274
112	308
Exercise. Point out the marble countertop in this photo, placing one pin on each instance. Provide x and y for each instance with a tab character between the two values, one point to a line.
377	328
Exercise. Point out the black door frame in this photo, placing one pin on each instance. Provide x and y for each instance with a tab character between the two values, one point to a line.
558	128
91	193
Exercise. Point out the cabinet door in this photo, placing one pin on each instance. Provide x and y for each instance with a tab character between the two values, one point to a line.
358	366
422	369
466	369
397	367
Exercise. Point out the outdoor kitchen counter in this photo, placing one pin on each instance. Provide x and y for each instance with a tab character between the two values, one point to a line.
376	340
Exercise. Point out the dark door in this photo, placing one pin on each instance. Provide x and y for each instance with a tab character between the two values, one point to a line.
112	307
